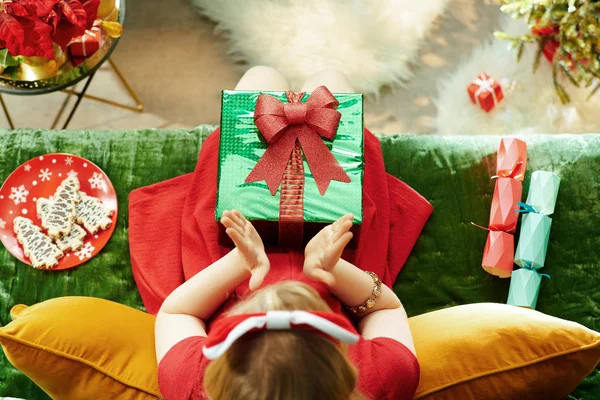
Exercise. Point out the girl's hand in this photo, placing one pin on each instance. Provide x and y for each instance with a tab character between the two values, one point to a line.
324	250
249	245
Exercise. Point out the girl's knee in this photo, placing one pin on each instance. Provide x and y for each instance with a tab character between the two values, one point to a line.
335	80
263	78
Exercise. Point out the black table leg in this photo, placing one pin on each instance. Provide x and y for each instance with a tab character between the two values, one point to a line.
80	96
8	118
61	111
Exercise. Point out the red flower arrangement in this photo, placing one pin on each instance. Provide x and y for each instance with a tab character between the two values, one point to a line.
30	27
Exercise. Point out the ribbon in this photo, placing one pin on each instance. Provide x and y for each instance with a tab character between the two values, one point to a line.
526	208
515	173
89	34
485	85
225	332
480	227
529	266
285	125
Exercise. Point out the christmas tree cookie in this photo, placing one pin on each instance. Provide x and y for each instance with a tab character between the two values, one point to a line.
60	211
41	206
73	240
40	249
92	214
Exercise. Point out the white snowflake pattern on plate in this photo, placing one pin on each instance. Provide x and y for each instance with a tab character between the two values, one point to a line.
2	223
18	194
85	252
72	174
27	168
45	174
96	181
69	160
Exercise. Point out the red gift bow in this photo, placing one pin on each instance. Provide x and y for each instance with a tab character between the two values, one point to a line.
282	125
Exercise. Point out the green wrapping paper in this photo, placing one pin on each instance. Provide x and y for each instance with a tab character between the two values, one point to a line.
524	288
241	147
533	242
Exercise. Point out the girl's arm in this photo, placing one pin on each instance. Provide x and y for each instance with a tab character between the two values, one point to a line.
350	284
387	318
184	311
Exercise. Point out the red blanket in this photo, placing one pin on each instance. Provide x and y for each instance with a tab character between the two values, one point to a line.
173	232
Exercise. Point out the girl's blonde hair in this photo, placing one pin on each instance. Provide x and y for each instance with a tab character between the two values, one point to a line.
282	365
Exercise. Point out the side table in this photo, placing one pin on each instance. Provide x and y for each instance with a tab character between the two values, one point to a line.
66	79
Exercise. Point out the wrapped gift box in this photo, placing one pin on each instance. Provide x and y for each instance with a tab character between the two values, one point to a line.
86	45
486	92
242	145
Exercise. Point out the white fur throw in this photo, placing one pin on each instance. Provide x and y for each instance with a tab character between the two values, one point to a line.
530	105
372	42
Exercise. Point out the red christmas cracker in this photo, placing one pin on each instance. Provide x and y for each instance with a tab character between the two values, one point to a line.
498	254
486	92
510	170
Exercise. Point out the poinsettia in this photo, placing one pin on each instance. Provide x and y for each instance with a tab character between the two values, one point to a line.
30	27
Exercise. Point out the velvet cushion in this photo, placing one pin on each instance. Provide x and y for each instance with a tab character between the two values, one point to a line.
84	348
496	351
88	348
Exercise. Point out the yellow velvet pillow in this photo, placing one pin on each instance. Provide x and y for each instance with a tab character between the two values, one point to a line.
496	351
84	348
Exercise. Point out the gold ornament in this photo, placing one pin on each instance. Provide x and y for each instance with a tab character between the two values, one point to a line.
35	68
113	29
106	8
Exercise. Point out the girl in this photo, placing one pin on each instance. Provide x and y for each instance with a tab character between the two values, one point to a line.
305	350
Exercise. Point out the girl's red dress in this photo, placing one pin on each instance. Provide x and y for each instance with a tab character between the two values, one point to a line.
173	235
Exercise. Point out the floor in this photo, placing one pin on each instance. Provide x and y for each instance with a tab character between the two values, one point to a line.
178	67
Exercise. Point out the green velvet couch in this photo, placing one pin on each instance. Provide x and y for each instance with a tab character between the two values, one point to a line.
453	172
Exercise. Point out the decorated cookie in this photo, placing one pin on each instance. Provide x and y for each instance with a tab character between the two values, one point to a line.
40	249
71	189
93	214
60	212
41	206
73	240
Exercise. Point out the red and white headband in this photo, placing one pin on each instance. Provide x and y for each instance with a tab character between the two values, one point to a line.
226	331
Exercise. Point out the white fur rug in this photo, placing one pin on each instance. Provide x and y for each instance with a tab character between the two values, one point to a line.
530	105
372	42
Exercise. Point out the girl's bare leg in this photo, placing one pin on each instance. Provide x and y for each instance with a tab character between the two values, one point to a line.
263	78
335	81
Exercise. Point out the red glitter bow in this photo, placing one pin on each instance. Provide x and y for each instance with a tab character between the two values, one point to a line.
284	125
225	332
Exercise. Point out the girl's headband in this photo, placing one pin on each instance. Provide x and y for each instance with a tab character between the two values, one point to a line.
226	331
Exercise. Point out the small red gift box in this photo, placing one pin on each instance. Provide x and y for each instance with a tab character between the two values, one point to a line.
87	44
486	92
507	195
77	61
498	254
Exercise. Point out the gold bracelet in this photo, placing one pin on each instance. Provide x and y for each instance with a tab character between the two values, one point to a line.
370	302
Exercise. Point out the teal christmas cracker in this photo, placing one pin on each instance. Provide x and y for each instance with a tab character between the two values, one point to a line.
241	146
524	288
533	242
543	191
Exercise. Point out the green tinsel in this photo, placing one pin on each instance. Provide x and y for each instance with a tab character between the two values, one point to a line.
574	25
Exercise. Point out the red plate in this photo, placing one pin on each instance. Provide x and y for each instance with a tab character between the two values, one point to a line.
40	177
